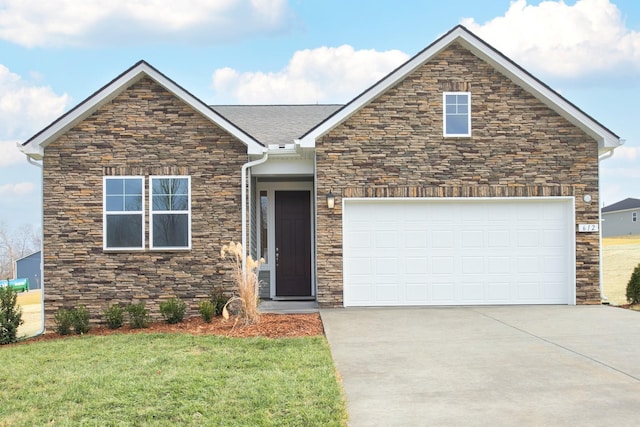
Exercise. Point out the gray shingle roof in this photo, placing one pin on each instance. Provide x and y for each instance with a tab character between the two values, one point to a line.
622	205
276	124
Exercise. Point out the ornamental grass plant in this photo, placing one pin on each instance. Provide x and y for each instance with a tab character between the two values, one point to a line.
246	281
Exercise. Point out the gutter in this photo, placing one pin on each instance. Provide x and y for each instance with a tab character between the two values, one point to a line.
39	165
603	298
243	178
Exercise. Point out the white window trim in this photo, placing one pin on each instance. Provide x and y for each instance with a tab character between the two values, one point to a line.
634	216
444	115
105	213
152	212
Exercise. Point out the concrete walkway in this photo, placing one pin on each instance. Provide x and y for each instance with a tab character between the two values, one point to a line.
498	366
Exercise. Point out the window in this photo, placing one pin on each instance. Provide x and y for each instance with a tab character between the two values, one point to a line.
457	113
264	226
123	212
634	216
170	212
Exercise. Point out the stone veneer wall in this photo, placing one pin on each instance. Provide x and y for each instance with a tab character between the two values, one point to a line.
144	131
394	147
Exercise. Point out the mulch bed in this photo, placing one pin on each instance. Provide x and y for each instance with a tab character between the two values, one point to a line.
270	326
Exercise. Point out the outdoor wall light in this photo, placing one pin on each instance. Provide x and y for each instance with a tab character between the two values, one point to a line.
331	200
587	198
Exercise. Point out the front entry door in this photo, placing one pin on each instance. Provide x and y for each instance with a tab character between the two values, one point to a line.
293	243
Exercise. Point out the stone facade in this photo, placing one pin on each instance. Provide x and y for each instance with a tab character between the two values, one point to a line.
144	131
394	147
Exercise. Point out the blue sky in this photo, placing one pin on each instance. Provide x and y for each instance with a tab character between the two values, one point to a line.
56	53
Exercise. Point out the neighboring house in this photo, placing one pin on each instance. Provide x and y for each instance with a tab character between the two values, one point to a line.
621	218
28	267
457	179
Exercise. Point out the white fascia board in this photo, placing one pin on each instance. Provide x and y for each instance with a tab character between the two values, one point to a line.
379	88
35	146
253	147
604	137
81	111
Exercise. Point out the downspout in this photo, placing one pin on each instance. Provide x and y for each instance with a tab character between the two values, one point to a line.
243	178
603	297
39	165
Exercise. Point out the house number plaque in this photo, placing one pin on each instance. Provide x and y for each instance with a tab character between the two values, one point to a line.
586	228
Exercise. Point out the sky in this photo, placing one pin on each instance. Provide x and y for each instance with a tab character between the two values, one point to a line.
56	53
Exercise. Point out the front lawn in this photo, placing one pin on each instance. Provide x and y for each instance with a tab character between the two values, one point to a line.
170	379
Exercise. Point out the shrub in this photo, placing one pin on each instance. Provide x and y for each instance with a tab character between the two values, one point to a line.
10	315
138	315
246	281
173	310
633	287
207	310
80	319
114	316
63	320
219	300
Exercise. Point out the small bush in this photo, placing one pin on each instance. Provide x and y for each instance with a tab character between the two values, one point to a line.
63	321
80	319
138	315
207	310
114	316
173	310
633	287
10	315
219	300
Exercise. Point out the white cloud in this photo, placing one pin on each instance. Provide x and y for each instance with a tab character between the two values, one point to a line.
33	23
586	38
16	190
325	74
24	107
626	153
10	154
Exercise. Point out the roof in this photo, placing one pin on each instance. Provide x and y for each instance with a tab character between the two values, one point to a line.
276	124
622	205
607	140
34	147
32	254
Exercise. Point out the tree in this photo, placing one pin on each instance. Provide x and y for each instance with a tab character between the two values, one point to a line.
15	244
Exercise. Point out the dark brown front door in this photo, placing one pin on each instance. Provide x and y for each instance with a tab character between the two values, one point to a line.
293	243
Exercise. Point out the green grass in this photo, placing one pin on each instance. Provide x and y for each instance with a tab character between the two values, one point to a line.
170	379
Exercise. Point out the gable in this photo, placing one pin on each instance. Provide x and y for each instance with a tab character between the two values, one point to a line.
606	139
34	147
145	123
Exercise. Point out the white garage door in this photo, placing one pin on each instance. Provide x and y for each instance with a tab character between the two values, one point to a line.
458	252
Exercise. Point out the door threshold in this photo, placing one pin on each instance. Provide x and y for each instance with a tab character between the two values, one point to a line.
293	298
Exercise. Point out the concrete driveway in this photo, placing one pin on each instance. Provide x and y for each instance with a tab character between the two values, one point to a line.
516	365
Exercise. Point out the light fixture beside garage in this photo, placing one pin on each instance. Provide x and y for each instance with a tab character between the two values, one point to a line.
331	200
586	198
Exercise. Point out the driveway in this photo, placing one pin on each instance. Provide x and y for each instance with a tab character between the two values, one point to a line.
515	365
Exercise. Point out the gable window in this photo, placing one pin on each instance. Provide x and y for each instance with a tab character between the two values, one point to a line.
634	216
170	212
123	212
456	113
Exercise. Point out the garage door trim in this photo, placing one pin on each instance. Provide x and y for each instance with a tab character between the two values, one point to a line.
564	204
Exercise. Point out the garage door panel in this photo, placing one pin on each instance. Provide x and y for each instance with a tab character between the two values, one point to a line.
416	293
443	292
443	265
408	252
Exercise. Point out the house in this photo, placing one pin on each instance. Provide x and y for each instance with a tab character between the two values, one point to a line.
621	218
457	179
28	267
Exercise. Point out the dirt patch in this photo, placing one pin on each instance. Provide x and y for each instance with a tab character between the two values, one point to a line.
270	326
